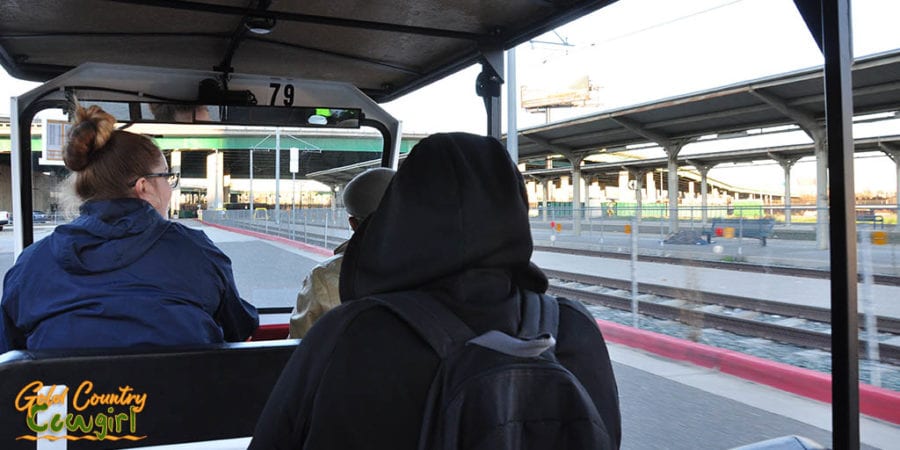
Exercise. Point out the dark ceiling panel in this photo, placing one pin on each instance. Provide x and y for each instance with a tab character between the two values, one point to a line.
386	48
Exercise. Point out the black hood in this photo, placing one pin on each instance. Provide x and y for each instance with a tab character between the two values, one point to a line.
457	204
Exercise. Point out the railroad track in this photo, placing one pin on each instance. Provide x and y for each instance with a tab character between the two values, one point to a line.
887	280
671	310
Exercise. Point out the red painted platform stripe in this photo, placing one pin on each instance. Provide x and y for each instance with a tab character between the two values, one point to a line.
873	401
268	237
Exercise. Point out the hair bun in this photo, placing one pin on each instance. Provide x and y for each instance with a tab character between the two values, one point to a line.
90	132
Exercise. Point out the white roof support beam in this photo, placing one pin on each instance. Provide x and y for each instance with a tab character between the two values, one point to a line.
576	160
704	169
786	164
568	152
638	128
893	152
817	132
806	121
672	148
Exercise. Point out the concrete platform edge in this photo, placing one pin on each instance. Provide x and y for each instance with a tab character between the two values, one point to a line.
880	403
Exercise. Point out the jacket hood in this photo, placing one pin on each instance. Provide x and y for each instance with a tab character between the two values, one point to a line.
108	235
457	204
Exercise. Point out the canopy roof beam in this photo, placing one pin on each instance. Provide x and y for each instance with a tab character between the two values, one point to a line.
310	18
640	129
806	121
566	151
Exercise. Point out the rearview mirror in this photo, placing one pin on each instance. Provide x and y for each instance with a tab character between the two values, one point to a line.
294	116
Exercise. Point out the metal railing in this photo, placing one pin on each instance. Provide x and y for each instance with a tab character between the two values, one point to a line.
324	227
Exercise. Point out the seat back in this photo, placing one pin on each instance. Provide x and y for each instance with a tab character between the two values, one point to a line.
96	399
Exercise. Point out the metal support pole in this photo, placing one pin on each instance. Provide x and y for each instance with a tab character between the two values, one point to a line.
868	302
546	183
175	200
293	201
20	161
252	210
576	195
277	175
487	86
512	105
635	227
326	230
844	312
822	182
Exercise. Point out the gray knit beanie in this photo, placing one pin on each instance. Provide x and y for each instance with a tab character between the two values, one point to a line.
364	191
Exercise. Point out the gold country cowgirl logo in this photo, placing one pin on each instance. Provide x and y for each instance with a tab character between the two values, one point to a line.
98	415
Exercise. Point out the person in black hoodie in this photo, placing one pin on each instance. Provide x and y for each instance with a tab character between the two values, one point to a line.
452	226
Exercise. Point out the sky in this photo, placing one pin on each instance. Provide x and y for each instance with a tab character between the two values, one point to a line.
676	47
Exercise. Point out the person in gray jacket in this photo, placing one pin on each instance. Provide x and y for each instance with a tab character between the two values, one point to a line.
319	292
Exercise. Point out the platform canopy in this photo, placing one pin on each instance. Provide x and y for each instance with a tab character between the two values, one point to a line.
767	102
384	48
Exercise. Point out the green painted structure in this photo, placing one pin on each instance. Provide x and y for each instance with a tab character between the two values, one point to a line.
364	143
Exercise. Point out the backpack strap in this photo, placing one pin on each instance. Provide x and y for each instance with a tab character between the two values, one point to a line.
443	330
537	329
514	346
440	327
540	315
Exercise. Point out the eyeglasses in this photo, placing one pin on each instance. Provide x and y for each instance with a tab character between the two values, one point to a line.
171	177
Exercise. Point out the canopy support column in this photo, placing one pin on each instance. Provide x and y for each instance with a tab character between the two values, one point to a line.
672	148
546	184
672	184
576	194
638	175
215	180
817	132
894	153
786	164
704	189
576	160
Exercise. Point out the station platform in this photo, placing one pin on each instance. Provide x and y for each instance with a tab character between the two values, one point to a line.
778	288
793	246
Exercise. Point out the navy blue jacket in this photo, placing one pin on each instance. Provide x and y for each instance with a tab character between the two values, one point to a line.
120	275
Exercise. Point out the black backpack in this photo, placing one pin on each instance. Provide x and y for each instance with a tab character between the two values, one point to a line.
496	391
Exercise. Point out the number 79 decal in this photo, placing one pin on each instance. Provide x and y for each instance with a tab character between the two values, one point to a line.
287	94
